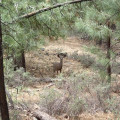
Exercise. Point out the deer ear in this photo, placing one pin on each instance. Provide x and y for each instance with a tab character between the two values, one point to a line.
58	55
65	54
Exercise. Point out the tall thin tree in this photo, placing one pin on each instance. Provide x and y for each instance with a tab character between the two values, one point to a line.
3	100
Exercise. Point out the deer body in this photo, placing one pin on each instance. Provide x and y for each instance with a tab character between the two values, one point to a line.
57	66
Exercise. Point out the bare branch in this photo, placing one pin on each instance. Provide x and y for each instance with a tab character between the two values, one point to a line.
48	8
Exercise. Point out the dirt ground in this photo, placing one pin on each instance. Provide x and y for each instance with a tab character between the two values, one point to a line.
39	63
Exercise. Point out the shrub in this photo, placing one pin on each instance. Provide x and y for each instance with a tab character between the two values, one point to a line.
18	77
78	94
85	59
48	101
71	101
75	106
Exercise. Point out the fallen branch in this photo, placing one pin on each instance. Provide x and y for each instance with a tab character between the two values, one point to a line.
10	99
42	116
47	9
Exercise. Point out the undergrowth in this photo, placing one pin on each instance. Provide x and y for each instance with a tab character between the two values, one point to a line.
98	63
18	77
80	94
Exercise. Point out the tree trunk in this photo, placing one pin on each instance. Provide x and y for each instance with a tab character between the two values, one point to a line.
109	57
23	60
3	101
20	61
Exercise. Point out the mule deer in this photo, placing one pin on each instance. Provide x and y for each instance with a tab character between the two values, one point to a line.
57	66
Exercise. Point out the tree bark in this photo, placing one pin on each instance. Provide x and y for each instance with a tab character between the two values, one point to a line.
109	57
3	100
19	61
23	60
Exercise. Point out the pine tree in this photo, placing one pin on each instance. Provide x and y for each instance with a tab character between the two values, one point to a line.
101	21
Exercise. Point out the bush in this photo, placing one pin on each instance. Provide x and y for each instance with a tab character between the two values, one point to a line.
85	59
70	101
75	106
18	77
83	93
99	64
48	102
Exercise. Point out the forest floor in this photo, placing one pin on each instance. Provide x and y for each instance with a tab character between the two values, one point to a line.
39	64
41	61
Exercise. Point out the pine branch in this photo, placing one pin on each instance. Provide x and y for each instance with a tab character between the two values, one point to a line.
48	8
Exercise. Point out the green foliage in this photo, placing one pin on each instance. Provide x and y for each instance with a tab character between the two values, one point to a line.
24	34
100	21
95	18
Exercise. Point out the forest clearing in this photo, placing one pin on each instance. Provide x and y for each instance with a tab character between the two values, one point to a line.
30	92
60	60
